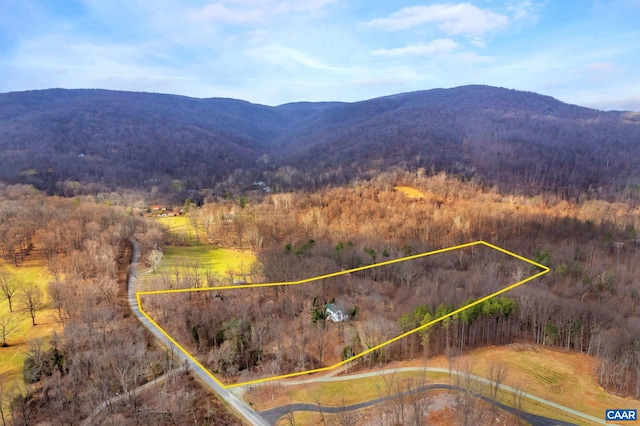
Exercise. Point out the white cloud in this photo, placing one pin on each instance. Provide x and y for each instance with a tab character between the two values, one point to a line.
471	58
478	42
525	10
600	73
400	77
600	67
435	47
286	56
249	12
453	19
621	98
218	12
628	104
313	6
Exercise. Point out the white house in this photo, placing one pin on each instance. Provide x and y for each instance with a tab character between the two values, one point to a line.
336	313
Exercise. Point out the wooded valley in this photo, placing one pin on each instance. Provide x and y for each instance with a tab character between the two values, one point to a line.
309	189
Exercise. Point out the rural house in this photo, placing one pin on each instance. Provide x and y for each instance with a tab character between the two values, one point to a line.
336	313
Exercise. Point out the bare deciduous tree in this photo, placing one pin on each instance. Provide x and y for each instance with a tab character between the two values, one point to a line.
346	417
8	288
518	398
5	398
32	300
466	397
496	373
154	257
58	293
419	400
7	326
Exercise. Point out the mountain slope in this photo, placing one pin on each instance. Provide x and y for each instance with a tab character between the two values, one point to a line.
497	135
500	136
121	138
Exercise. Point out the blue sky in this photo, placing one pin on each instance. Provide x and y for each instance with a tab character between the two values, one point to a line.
277	51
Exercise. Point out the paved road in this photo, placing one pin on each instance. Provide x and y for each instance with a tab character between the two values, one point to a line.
201	373
274	414
331	378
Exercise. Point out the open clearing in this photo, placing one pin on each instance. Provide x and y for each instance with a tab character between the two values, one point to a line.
564	377
222	262
173	222
180	228
559	376
31	270
227	265
409	191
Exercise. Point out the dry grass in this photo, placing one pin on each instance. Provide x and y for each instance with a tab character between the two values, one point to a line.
301	418
336	393
563	377
559	376
409	191
31	271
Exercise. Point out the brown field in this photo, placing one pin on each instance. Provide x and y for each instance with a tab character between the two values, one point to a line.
563	377
410	192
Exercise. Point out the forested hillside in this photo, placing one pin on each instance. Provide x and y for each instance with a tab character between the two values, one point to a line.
86	141
101	350
588	303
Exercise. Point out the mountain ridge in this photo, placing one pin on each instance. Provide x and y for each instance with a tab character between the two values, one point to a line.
127	139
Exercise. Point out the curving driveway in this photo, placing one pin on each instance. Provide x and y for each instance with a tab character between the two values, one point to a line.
537	420
274	414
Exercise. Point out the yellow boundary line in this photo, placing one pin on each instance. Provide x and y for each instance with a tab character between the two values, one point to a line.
543	271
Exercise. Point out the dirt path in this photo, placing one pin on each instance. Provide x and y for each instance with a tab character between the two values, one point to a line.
89	420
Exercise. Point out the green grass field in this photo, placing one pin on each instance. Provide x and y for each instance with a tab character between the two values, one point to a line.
222	262
174	222
207	258
180	228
